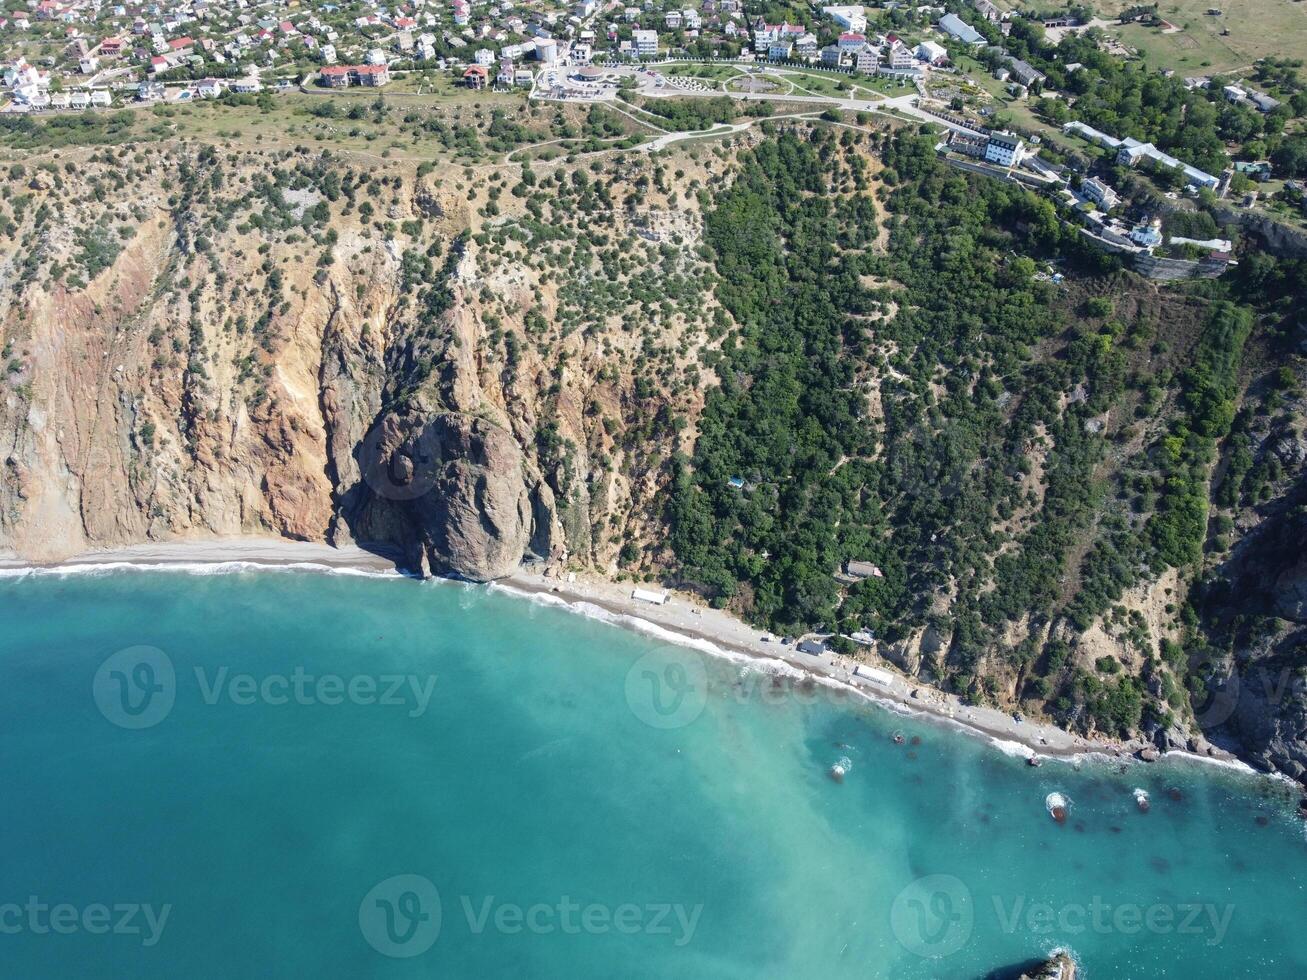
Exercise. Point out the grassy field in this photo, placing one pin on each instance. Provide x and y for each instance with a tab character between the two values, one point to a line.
715	73
840	86
1257	28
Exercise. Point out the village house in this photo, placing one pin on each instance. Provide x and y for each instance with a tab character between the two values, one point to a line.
932	53
1026	74
862	569
343	76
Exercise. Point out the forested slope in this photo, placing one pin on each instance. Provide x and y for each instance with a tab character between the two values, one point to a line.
1029	465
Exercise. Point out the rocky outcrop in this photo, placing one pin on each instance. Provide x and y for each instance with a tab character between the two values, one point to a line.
1255	606
1060	967
451	490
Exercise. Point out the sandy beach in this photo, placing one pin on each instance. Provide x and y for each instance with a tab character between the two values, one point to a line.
220	551
696	621
681	618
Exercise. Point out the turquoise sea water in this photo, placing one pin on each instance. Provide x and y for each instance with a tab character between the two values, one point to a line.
545	795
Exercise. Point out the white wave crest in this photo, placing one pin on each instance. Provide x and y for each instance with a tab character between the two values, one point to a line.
200	568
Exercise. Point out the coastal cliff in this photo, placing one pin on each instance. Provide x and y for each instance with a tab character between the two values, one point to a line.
731	371
210	344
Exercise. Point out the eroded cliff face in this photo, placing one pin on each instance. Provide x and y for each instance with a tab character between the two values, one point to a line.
1255	613
199	343
468	367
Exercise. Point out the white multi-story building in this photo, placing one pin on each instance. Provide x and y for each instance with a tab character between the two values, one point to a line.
849	42
899	55
1004	149
546	50
646	43
1100	193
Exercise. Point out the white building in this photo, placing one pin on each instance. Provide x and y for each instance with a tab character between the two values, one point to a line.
900	55
850	18
955	26
1004	149
932	53
849	42
1098	192
546	50
1132	151
646	43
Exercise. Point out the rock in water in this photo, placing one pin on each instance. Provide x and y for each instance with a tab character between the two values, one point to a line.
1060	967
